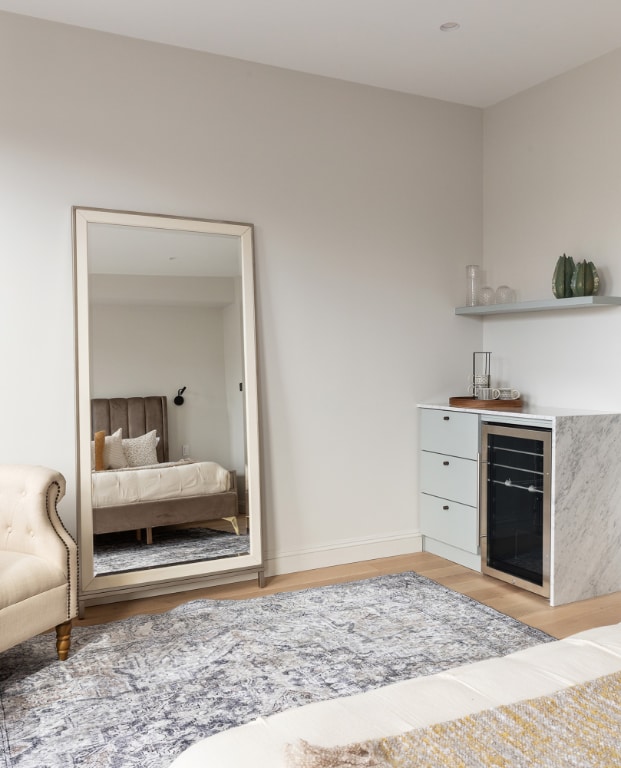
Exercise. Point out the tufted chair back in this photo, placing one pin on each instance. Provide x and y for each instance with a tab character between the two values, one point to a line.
26	496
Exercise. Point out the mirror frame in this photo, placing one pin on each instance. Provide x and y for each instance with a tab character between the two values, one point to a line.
167	578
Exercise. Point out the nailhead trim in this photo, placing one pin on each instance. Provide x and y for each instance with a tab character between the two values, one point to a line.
49	515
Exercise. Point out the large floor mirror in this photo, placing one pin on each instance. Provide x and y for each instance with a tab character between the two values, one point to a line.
167	405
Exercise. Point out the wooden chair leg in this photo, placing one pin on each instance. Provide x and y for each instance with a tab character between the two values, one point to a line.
63	640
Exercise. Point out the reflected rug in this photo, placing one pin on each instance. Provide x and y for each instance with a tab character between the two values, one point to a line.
139	691
115	552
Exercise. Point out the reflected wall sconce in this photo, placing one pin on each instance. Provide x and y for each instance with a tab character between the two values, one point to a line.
179	399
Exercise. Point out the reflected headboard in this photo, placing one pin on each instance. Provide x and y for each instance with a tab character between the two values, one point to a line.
134	415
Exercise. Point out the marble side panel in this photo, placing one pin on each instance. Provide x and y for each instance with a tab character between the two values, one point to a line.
586	519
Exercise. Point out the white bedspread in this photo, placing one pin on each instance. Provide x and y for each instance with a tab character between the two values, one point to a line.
400	707
158	481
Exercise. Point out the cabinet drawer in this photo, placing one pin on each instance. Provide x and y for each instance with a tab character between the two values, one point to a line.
449	477
452	523
449	432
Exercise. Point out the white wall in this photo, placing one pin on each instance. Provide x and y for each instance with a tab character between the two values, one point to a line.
553	186
367	206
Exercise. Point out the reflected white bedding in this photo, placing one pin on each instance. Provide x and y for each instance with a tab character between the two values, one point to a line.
403	706
157	482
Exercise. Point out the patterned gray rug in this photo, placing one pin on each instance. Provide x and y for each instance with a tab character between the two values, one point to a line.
139	691
115	552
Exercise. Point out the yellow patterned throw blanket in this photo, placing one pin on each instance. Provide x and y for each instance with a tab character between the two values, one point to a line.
578	727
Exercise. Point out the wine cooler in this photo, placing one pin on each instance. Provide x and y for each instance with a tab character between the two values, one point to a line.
515	505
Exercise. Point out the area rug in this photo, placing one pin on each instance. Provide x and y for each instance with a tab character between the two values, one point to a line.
139	691
115	552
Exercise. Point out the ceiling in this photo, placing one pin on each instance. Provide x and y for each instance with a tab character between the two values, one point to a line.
501	48
130	250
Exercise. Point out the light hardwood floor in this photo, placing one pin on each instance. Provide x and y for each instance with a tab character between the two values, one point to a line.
531	609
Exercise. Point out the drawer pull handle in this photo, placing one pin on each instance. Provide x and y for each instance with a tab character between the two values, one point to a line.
446	418
445	463
445	506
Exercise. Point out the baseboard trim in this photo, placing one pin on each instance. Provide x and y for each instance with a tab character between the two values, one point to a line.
343	553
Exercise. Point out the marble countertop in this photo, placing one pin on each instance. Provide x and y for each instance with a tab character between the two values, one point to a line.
528	411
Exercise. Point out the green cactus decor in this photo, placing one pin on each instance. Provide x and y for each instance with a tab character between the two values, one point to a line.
585	280
563	274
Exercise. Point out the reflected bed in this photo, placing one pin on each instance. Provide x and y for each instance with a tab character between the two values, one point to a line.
158	494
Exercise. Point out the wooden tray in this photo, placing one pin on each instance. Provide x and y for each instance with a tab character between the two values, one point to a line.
487	405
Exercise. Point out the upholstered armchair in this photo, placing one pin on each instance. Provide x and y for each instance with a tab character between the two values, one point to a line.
38	558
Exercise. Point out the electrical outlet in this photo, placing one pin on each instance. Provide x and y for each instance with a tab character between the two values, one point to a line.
185	451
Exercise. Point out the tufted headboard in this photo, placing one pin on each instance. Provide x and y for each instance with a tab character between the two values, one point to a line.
135	415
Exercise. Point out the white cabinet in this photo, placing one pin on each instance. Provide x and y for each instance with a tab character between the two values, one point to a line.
449	483
449	477
447	523
450	432
585	492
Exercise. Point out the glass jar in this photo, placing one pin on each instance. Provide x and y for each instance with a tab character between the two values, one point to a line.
504	295
487	295
473	284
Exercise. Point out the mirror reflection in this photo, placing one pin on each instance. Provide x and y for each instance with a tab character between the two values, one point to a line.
167	393
165	317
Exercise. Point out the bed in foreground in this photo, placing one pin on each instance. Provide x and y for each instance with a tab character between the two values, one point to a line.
574	682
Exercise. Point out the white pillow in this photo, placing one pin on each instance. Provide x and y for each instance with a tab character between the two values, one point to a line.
114	456
140	451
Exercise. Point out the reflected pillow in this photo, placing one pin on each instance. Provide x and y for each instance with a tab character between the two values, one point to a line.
100	442
113	454
140	451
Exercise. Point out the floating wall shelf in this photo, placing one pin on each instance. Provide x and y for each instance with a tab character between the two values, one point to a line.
576	302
